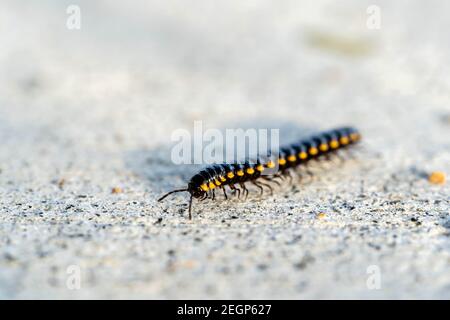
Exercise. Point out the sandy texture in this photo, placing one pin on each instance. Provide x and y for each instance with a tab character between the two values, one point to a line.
85	111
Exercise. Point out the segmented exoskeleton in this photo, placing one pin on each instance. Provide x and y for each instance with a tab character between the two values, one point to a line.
235	175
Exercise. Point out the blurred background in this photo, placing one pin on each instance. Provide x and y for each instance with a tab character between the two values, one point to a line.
139	71
83	110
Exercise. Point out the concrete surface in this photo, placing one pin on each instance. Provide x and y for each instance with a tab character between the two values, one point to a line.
85	111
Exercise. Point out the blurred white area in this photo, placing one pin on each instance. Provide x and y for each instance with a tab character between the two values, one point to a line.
145	68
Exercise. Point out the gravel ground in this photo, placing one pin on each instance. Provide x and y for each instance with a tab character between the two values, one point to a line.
85	111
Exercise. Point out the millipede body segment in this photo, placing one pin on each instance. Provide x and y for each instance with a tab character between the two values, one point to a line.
235	175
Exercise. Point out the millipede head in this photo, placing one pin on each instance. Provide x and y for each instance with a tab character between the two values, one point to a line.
198	187
195	190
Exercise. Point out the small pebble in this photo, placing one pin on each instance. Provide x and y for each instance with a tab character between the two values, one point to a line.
61	183
116	190
437	177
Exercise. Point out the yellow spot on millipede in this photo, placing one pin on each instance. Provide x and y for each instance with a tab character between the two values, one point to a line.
292	158
354	137
212	185
250	171
270	164
313	151
303	155
217	182
334	144
204	187
222	179
282	161
344	140
260	168
323	147
230	175
240	173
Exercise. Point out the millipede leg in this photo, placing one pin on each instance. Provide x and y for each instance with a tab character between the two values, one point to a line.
205	196
267	178
235	190
352	154
190	208
299	174
259	186
224	192
289	176
308	173
360	147
336	161
279	176
213	194
245	190
340	157
268	186
325	162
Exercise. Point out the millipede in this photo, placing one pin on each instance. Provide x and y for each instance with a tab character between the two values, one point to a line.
235	175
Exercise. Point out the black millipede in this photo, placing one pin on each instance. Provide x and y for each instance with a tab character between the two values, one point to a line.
234	175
